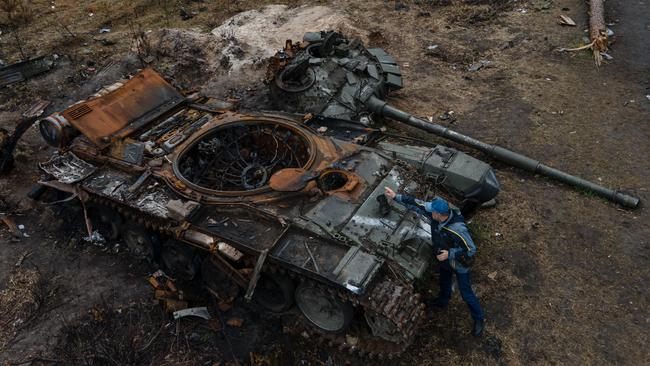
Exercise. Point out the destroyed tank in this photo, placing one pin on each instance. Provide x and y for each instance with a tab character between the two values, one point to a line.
287	206
263	202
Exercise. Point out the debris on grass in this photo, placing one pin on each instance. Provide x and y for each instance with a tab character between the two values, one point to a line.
201	312
478	65
24	70
447	116
565	20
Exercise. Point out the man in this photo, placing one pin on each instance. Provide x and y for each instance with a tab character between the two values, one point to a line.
455	251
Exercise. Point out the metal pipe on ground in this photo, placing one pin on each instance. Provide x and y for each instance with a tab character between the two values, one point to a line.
502	154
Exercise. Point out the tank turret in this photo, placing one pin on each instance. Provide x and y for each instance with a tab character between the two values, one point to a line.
340	79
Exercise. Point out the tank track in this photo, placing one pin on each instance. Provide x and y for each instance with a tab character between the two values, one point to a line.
153	223
397	302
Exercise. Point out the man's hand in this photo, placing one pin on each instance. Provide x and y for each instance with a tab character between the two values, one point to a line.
443	256
389	193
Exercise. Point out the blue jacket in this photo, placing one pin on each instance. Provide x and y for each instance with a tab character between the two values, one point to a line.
451	235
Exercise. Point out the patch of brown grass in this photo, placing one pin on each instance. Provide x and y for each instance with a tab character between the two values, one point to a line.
19	301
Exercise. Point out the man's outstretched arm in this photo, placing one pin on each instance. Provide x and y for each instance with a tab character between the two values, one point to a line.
409	202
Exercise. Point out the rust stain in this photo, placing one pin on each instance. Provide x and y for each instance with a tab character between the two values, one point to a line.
290	179
122	110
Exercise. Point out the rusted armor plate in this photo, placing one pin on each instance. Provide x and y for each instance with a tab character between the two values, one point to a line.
146	96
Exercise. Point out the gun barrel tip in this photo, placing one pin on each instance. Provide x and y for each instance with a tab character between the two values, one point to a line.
627	200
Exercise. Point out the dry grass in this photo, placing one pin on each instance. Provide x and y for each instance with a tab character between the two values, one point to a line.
19	302
72	27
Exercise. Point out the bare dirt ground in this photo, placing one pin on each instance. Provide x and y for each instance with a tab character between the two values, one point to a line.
562	274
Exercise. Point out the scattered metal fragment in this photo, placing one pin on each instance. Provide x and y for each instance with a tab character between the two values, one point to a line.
166	292
447	116
24	70
606	56
479	65
138	183
565	20
256	274
37	109
95	238
201	312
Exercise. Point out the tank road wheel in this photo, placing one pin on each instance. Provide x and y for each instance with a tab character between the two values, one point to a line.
323	310
141	242
105	220
383	327
217	282
275	292
179	260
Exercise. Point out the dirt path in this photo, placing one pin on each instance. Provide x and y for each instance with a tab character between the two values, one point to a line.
564	281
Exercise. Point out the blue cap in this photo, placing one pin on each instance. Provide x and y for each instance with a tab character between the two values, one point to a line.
438	205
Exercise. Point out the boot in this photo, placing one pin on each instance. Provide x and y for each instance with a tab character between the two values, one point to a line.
479	325
436	303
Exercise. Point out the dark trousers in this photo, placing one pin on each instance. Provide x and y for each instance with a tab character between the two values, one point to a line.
465	287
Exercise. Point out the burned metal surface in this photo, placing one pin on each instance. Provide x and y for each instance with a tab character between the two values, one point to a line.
256	231
143	98
243	157
68	168
114	185
291	179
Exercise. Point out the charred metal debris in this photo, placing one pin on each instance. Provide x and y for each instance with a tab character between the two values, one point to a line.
23	70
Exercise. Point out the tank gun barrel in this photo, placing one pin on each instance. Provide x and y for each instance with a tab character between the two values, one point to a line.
381	108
